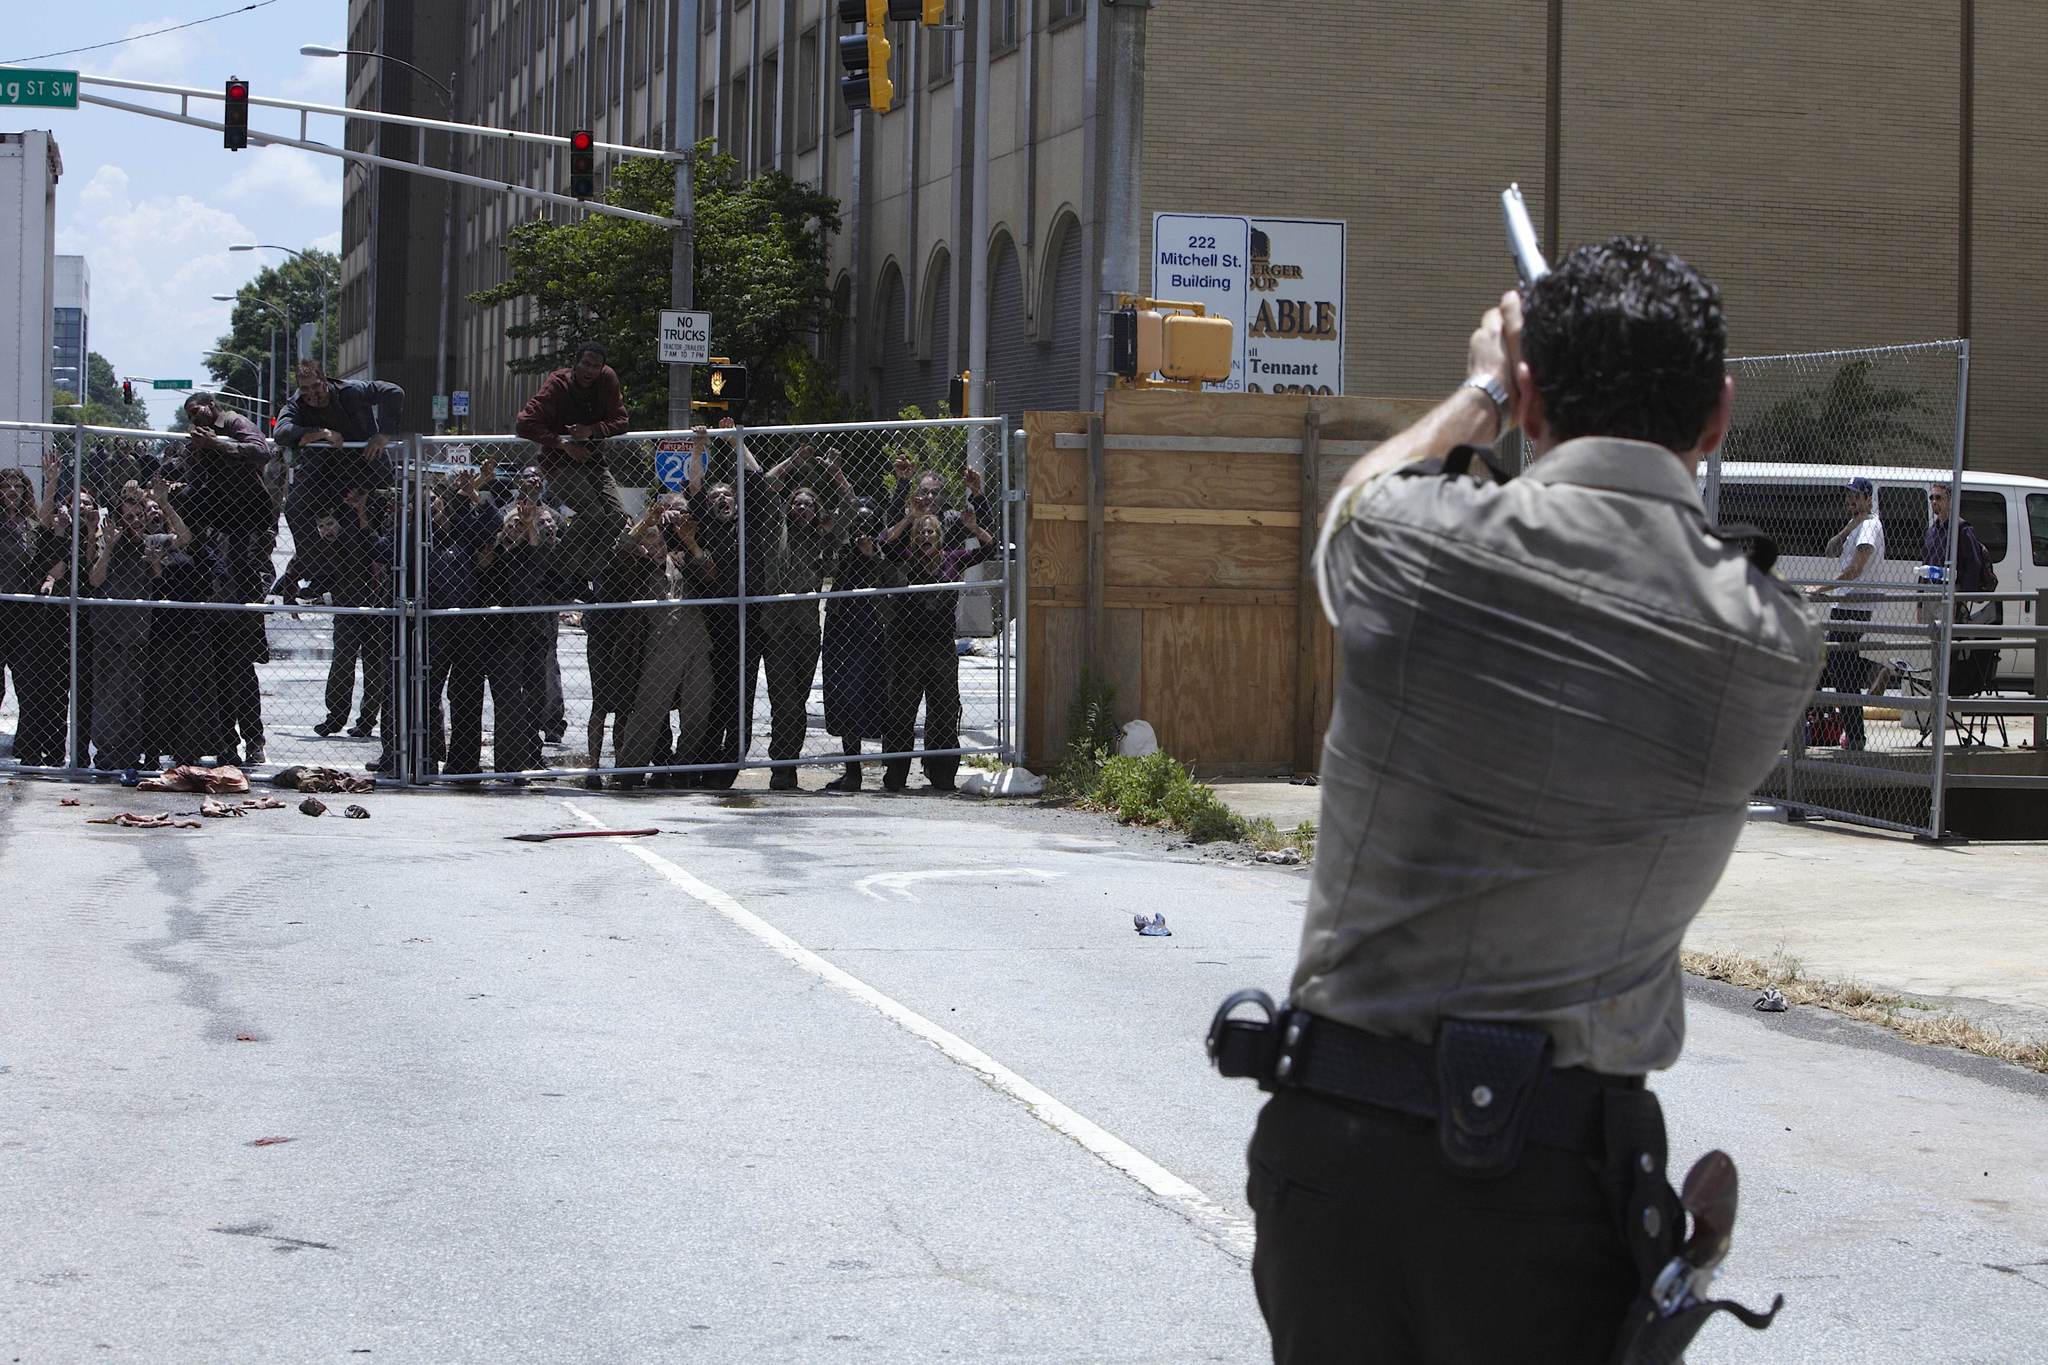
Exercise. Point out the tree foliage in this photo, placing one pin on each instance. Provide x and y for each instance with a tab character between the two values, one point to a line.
760	271
294	287
1851	419
103	389
96	414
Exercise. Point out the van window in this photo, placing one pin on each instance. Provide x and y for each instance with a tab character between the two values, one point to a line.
1801	517
2037	525
1986	512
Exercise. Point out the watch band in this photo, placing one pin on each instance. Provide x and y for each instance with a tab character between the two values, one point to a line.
1496	392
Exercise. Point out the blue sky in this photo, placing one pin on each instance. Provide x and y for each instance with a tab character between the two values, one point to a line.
153	205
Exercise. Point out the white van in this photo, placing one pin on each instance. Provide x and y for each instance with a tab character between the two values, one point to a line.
1800	506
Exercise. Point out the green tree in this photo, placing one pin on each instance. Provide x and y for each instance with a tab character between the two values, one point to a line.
1851	419
760	272
103	388
95	414
294	287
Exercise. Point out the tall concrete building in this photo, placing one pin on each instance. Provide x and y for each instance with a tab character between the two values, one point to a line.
70	316
1853	172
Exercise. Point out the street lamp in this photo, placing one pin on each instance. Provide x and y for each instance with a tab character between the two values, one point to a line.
276	372
270	246
447	92
235	355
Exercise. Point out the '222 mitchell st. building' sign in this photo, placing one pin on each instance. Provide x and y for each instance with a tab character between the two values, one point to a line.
1280	281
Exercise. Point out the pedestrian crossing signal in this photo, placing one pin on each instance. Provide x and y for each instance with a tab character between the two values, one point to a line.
729	385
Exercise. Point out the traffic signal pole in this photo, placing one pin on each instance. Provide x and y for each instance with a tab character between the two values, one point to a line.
682	122
980	21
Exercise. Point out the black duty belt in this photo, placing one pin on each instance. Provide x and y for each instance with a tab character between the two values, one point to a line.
1488	1086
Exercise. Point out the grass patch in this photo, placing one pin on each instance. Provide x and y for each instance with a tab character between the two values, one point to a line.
1157	790
1092	739
1934	1028
1267	837
988	763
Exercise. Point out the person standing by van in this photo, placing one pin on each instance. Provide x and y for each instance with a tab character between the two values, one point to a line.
1859	548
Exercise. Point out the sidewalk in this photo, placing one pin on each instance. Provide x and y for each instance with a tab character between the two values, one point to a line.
1963	926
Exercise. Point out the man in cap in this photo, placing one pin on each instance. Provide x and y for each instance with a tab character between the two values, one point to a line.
1859	549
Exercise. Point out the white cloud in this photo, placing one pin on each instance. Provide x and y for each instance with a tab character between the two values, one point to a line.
331	242
319	80
288	177
169	58
155	264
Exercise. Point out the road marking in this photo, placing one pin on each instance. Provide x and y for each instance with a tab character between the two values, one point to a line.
899	882
1223	1229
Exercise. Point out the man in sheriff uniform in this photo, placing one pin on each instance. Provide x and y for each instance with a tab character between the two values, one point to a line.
1558	693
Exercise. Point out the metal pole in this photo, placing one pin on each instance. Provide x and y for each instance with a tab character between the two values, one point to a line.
977	240
74	738
447	269
1022	712
1946	633
746	669
682	123
2040	666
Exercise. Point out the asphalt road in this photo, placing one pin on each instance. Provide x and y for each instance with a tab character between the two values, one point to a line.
800	1079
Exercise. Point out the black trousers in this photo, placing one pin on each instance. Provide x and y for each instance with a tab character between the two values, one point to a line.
1370	1249
367	638
42	680
786	642
922	670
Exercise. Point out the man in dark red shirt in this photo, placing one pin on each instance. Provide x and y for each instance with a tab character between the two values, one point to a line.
575	409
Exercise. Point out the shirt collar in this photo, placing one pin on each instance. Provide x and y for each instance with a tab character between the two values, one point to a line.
1620	466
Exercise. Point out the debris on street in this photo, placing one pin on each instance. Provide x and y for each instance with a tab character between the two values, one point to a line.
307	778
1154	927
356	813
128	819
269	1141
1281	857
67	800
582	834
312	805
1772	1001
191	778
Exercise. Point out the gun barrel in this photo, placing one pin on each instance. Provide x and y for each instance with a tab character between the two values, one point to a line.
1522	243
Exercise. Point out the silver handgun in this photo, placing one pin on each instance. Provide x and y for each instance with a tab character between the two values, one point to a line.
1522	243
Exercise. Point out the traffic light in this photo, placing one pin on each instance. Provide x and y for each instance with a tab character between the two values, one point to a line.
582	164
956	393
729	385
127	392
934	13
865	56
234	133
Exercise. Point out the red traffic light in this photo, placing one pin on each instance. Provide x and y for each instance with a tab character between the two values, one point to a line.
234	117
127	392
237	90
580	141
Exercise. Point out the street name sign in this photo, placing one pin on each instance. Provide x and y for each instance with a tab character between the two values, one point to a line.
22	88
170	383
685	338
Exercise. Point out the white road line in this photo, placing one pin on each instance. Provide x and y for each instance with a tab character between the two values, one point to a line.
1225	1230
899	882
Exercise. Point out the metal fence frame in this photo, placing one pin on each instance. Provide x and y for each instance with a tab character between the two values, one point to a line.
1791	781
988	444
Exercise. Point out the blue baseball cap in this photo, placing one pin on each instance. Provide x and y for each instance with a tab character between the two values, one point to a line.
1863	486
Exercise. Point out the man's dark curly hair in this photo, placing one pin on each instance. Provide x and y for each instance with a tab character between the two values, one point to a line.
1626	339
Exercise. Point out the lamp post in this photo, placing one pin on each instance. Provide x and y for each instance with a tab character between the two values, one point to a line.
276	372
447	92
271	246
234	355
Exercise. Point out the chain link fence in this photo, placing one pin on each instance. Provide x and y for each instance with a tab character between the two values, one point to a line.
664	607
1847	461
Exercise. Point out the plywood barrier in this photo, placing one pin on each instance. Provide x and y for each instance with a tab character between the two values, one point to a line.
1169	546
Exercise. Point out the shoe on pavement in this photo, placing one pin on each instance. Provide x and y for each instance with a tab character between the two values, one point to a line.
253	754
362	729
784	780
380	764
593	783
326	728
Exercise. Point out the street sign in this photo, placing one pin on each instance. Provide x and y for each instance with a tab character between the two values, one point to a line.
25	89
170	383
685	338
461	406
440	407
1280	281
672	463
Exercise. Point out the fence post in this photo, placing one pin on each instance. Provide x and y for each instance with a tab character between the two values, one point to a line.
74	736
1945	635
2040	666
1307	603
1095	647
1019	494
746	670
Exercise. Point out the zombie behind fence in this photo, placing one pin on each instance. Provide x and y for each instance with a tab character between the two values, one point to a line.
855	645
787	637
317	421
676	664
576	410
135	541
45	641
615	641
924	665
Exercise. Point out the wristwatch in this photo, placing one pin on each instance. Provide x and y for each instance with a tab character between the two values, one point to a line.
1494	390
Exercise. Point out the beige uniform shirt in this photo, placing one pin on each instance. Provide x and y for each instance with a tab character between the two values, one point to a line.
1557	696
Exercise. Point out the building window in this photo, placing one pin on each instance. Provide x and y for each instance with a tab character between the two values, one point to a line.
1006	35
707	118
1063	11
739	148
939	53
710	15
643	22
807	90
770	92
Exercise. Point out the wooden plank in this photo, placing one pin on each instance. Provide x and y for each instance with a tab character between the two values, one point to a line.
1097	556
1059	553
1260	416
1154	598
1201	557
1123	660
1307	608
1218	682
1208	445
1188	479
1167	516
1054	659
1056	475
